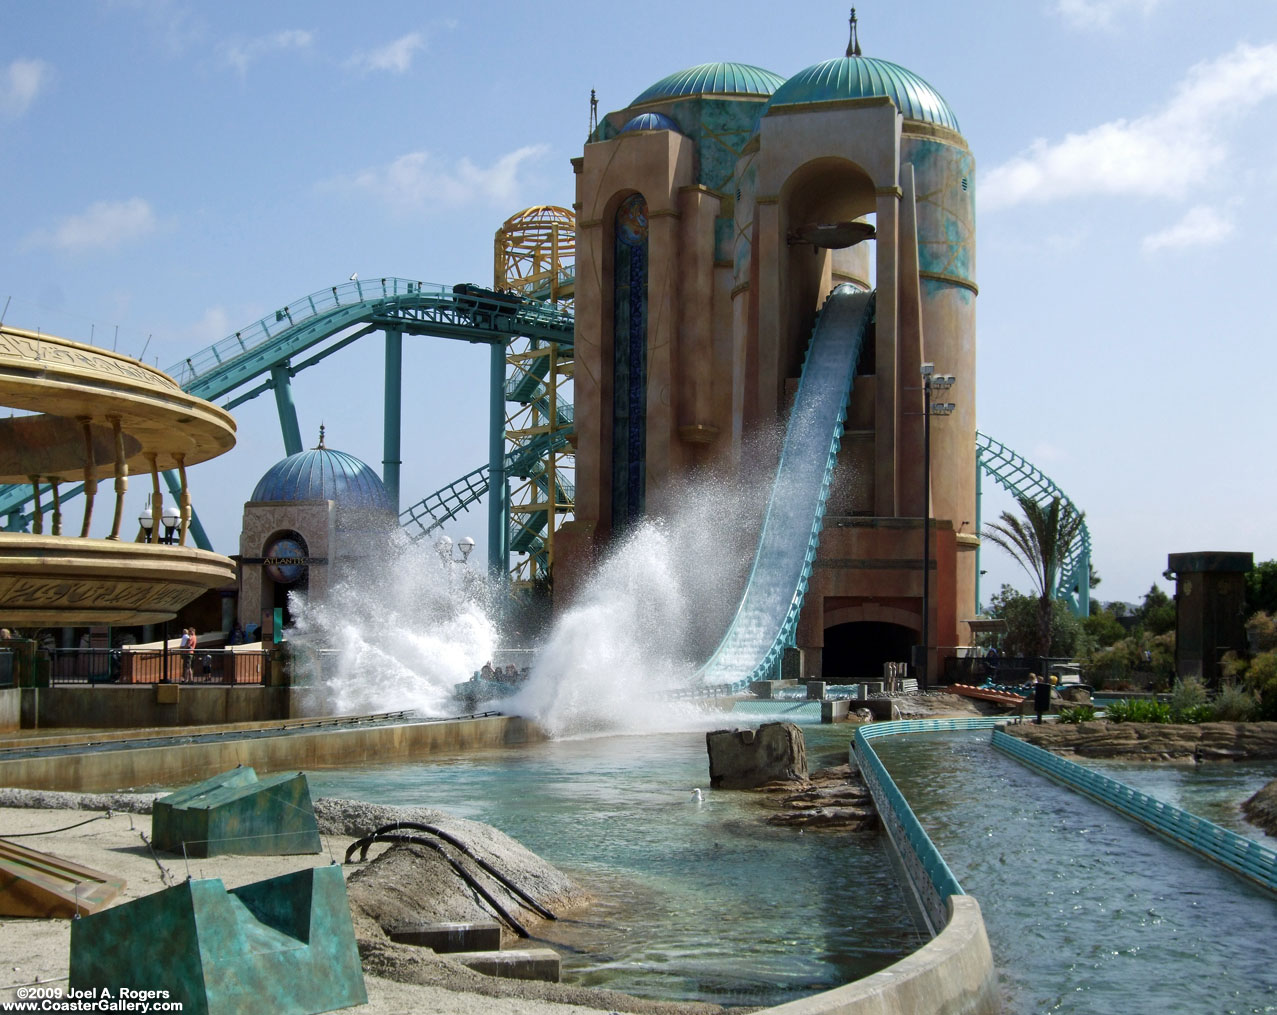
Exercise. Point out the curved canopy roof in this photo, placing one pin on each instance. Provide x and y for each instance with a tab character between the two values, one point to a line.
713	79
860	77
74	394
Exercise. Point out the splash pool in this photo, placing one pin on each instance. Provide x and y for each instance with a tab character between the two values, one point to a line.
696	902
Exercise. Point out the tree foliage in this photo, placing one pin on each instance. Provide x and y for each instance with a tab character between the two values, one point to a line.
1156	613
1261	588
1038	543
1021	615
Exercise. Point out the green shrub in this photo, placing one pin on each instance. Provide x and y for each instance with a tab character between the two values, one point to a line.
1138	710
1077	714
1235	704
1261	681
1261	630
1194	714
1187	692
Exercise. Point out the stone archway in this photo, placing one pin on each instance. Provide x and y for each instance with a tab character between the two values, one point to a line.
859	639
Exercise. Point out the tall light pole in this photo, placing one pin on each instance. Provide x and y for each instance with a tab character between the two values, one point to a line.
931	381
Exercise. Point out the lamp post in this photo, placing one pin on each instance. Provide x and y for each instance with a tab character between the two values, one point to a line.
444	547
931	381
170	518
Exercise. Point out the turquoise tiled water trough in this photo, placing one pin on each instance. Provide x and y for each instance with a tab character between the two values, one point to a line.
1246	857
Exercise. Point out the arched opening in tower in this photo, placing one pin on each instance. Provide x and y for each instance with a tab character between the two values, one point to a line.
856	651
629	362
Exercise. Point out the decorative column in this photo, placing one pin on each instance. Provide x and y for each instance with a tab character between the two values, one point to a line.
90	479
121	478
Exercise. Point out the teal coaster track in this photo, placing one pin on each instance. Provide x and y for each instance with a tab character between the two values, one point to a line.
329	320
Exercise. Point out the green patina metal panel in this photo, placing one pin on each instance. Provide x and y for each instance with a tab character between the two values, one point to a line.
235	812
945	176
285	945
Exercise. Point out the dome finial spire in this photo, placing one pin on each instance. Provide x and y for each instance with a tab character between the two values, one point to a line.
853	44
320	446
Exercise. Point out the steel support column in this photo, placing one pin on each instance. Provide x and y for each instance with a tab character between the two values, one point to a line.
282	380
393	424
498	507
979	523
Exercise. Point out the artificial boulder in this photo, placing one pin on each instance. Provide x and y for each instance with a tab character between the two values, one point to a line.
747	759
1261	809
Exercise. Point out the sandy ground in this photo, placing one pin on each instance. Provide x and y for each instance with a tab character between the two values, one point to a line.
32	950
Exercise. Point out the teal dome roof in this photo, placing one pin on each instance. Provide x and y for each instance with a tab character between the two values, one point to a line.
713	79
322	474
860	77
652	121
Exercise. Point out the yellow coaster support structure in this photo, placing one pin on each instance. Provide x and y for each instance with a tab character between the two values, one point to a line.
535	256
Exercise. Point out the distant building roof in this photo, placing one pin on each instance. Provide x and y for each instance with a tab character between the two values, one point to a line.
651	121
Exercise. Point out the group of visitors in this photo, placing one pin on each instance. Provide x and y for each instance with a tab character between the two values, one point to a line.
509	675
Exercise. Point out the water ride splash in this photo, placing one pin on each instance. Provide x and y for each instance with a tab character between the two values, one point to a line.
399	633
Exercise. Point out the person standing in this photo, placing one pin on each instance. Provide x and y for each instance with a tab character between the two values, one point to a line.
188	653
1041	698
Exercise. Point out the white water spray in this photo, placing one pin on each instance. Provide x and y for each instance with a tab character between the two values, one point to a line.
397	634
646	620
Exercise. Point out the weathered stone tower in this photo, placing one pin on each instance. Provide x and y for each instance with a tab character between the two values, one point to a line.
714	214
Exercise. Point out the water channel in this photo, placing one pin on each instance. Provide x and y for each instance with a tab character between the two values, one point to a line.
1086	912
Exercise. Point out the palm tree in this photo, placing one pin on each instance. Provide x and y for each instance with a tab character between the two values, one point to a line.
1038	542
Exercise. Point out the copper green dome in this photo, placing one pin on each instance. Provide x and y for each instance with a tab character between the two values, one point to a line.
713	79
860	77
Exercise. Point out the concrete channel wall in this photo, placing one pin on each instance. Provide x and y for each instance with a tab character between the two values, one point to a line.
953	974
173	764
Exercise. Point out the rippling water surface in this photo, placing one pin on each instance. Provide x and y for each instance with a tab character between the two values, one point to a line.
696	902
1086	912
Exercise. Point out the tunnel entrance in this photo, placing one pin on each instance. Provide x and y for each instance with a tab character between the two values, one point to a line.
856	651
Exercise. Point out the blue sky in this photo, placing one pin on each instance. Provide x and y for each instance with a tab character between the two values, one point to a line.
177	170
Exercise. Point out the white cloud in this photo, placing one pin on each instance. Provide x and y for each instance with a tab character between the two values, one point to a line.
395	57
104	225
418	180
242	53
1162	154
1200	227
1101	13
20	83
170	23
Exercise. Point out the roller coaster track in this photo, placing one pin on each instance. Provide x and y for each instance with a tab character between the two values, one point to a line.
268	345
1022	478
418	308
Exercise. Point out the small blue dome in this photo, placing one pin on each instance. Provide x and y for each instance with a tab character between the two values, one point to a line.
725	79
652	121
321	474
860	77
